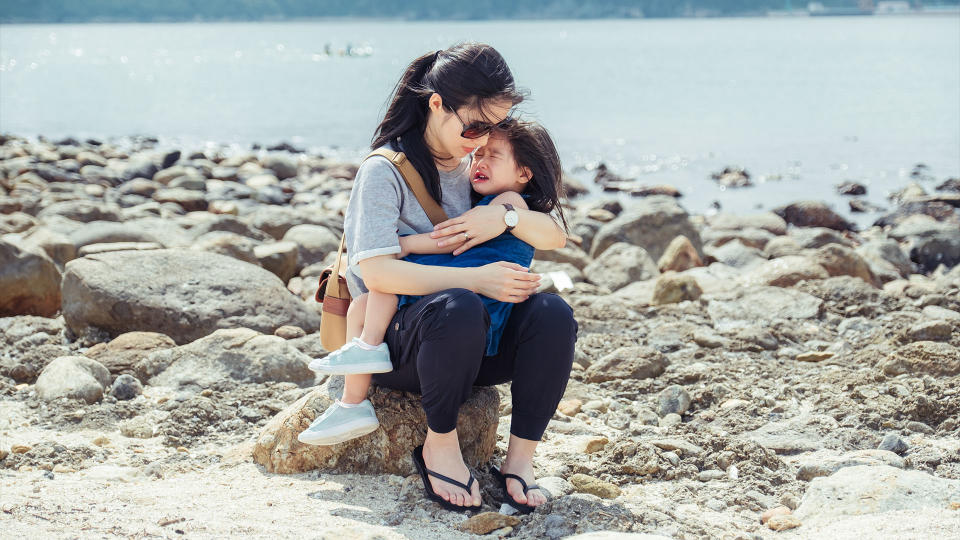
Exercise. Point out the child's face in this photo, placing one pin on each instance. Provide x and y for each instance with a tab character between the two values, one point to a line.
494	169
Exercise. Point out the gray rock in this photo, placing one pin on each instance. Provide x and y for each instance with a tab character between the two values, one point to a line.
817	237
620	265
556	526
893	443
887	251
941	248
556	486
673	399
229	244
315	242
80	210
930	331
869	489
744	306
812	214
765	220
126	387
816	466
937	312
281	258
627	363
74	377
652	224
736	254
183	294
138	427
672	288
240	354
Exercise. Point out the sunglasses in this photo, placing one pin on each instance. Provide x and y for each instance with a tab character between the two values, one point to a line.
477	129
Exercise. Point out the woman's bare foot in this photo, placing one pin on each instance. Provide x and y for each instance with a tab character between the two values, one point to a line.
519	461
441	454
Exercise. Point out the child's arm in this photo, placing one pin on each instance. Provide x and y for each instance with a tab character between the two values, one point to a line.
422	244
510	197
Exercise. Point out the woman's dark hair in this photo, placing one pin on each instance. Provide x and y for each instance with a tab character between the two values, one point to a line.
533	148
466	74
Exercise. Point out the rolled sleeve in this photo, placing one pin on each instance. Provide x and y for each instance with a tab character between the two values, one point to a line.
371	221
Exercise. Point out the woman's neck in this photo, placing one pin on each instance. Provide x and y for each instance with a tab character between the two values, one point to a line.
445	164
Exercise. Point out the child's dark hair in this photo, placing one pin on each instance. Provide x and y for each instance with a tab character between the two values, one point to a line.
466	74
533	148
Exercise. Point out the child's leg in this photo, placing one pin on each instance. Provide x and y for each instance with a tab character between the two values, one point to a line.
355	386
381	307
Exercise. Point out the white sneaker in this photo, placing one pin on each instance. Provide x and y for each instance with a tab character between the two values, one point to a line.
338	424
352	359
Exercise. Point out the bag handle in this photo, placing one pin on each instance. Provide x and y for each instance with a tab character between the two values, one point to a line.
414	181
333	285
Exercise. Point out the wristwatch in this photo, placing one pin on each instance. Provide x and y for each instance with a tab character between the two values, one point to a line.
511	218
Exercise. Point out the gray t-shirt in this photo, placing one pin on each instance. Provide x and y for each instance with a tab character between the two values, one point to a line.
382	208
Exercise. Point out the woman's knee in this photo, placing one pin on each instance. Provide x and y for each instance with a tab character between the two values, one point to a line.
463	307
552	312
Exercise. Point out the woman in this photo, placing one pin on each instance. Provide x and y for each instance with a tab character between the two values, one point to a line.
443	108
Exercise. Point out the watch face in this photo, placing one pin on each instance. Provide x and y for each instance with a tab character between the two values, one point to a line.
511	218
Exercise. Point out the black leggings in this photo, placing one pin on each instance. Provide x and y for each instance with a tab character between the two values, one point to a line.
437	348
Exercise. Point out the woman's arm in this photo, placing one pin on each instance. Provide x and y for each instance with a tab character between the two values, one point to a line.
504	281
422	244
485	222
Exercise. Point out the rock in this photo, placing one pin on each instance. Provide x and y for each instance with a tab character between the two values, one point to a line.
74	377
229	244
138	427
105	232
765	220
920	427
281	258
930	357
775	511
736	254
570	407
183	294
814	356
781	246
488	522
893	443
677	445
20	449
95	249
668	420
873	489
783	522
239	353
839	260
126	351
555	486
570	254
314	242
709	339
594	445
187	199
126	387
56	245
680	255
816	466
29	281
620	265
937	312
851	188
611	535
743	306
387	450
672	288
707	476
290	332
940	248
812	214
282	165
652	223
673	399
930	331
887	251
785	272
732	177
80	210
555	526
594	486
636	362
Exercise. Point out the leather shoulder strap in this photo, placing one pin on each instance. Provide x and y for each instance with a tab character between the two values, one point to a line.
410	175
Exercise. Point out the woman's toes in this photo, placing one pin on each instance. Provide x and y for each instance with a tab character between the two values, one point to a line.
517	493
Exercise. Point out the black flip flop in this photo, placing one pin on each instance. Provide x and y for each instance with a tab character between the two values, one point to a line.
502	478
425	474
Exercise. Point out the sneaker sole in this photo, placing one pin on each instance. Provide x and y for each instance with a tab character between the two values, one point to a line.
356	369
326	440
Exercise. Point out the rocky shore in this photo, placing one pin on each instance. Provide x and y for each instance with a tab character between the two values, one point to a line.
772	375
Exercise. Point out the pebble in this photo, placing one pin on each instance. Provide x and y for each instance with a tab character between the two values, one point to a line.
20	449
126	387
937	312
930	331
487	522
594	445
61	468
677	444
784	522
206	393
555	486
182	449
920	427
789	500
101	441
671	419
772	512
673	400
595	405
290	332
570	407
893	443
594	486
733	404
814	356
706	476
672	457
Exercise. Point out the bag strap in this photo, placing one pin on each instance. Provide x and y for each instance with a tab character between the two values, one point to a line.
333	282
414	182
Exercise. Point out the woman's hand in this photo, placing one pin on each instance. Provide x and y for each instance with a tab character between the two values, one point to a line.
505	281
481	223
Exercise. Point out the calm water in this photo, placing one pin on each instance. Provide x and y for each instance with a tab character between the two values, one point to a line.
813	101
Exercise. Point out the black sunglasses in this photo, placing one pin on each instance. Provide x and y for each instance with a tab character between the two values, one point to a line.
477	129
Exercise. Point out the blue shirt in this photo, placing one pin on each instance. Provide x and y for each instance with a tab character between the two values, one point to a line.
505	247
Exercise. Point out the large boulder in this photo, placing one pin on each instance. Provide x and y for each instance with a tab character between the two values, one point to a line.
867	489
315	242
403	426
840	260
238	353
651	224
29	281
74	377
812	214
183	294
785	271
